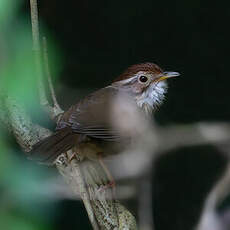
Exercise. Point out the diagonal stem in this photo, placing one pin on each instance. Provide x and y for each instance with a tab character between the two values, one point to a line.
57	109
35	24
36	49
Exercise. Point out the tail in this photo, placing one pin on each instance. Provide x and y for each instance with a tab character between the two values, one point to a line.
47	150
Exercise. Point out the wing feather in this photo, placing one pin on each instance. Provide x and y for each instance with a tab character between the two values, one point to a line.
92	116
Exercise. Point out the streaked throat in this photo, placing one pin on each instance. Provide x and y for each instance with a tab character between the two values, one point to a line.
152	97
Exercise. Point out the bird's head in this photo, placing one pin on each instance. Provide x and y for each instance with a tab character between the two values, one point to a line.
146	83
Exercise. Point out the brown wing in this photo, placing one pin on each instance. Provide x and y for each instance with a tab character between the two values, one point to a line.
92	116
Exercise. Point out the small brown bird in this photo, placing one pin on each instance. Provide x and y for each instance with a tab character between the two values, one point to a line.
90	119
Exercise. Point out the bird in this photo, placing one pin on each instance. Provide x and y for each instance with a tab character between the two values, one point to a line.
90	121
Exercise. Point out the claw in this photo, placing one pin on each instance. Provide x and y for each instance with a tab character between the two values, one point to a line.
74	156
111	183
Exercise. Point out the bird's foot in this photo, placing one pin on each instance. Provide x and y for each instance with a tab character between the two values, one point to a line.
110	185
74	156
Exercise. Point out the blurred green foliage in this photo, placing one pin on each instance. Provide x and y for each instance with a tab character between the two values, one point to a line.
17	66
22	203
7	10
16	57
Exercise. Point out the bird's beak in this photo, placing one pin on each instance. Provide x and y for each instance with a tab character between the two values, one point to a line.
167	75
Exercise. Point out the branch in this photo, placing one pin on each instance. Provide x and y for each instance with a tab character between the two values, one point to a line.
103	210
19	123
213	200
55	111
72	175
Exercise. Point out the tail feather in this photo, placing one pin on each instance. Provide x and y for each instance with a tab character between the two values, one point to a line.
47	150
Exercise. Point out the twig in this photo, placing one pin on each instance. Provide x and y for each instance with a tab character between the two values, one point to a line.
38	64
72	175
101	194
37	53
35	24
145	209
57	109
214	198
201	133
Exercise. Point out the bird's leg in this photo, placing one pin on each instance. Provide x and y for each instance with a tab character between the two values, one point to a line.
79	139
111	183
74	155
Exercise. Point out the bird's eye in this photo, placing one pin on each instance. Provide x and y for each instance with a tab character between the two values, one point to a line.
143	79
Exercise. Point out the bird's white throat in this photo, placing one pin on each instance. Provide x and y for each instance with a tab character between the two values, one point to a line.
153	96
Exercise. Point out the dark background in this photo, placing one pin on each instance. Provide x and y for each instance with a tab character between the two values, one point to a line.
99	39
